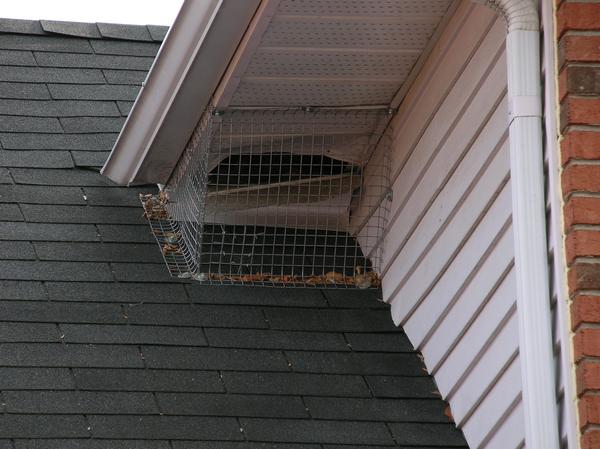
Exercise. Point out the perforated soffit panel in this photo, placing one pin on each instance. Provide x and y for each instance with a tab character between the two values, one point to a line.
338	52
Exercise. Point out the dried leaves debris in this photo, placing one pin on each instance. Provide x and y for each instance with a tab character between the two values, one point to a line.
360	280
154	206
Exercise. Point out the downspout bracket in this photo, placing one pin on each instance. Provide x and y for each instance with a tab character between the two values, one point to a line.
524	106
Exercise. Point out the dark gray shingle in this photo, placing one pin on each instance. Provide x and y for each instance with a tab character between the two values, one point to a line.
89	158
231	405
20	26
157	32
273	339
40	194
391	410
16	57
150	273
22	290
165	427
16	250
37	378
296	384
97	252
92	124
116	47
79	402
10	212
118	292
58	108
70	28
44	43
34	159
54	271
92	61
125	107
24	90
127	32
427	434
91	444
244	296
43	426
134	77
388	342
148	380
50	312
5	177
212	358
28	332
61	355
29	124
330	320
30	141
355	363
133	335
312	431
47	231
50	177
190	315
244	445
401	387
128	234
93	92
50	75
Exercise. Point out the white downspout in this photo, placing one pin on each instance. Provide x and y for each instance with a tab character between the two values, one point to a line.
529	221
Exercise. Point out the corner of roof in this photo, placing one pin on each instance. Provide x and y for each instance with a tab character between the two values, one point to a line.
140	33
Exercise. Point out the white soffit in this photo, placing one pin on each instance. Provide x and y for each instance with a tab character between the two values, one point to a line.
336	52
262	53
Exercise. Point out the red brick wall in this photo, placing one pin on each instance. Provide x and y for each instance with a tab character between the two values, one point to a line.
578	31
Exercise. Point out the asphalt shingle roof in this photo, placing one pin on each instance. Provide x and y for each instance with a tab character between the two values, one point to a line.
100	349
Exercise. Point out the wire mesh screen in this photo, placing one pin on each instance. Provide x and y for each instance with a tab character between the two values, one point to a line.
278	198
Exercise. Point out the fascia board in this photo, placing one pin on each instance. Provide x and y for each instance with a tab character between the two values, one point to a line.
186	72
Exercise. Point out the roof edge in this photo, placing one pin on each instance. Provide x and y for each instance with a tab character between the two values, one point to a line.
177	89
88	30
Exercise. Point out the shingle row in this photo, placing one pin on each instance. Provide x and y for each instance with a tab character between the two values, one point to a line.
147	33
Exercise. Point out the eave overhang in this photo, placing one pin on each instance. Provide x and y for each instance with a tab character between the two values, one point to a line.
177	90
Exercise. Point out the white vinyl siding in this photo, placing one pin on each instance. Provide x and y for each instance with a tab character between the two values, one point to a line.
448	263
448	267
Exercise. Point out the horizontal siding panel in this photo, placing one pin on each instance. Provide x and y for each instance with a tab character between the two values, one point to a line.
480	304
453	235
495	354
449	113
499	401
425	102
486	241
441	208
510	434
438	208
482	123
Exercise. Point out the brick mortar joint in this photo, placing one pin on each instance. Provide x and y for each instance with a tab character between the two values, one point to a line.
580	85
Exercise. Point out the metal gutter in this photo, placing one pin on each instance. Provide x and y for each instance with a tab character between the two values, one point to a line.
529	222
179	86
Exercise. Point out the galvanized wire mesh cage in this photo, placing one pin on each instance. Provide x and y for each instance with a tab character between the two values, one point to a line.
278	198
